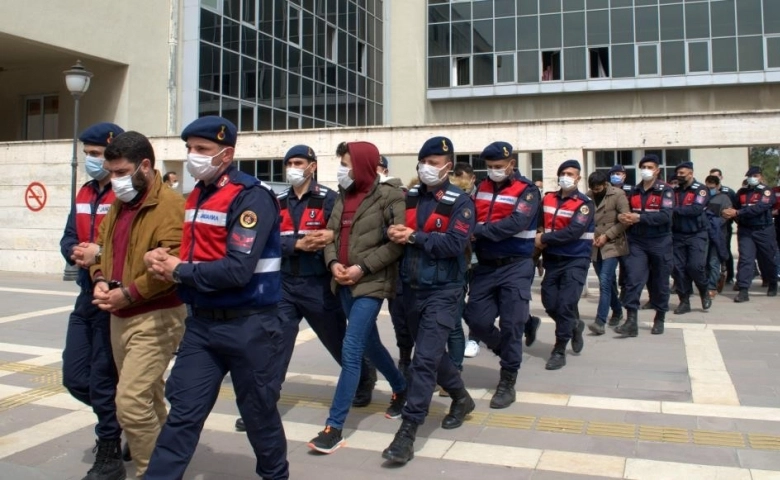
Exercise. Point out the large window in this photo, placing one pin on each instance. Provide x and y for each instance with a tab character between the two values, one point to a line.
267	170
606	159
41	116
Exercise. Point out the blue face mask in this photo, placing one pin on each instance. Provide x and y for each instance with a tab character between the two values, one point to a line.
615	179
94	166
713	191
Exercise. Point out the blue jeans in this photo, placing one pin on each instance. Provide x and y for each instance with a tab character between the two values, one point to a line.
713	268
361	337
608	292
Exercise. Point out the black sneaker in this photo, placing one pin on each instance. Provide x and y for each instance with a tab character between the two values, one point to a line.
397	402
327	441
577	342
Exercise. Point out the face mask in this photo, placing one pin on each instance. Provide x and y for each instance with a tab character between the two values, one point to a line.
566	183
94	166
429	174
296	176
646	174
713	191
123	187
175	185
342	175
601	194
752	181
682	179
615	179
200	166
496	175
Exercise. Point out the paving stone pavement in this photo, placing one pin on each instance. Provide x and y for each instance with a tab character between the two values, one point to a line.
700	401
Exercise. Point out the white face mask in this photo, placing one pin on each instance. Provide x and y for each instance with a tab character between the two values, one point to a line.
296	176
200	166
94	166
342	175
429	174
646	174
566	183
752	181
175	185
123	187
496	175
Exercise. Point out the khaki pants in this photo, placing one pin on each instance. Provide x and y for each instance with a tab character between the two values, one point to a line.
143	347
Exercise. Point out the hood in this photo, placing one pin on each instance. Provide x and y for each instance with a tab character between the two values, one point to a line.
365	158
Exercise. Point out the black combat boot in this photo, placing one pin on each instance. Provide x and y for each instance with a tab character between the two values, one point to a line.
658	323
128	457
577	342
240	427
462	404
631	326
366	386
531	327
558	357
616	318
401	449
772	290
742	296
404	361
706	300
684	306
108	461
505	391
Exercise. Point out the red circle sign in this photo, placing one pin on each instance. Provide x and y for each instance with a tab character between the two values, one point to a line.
35	196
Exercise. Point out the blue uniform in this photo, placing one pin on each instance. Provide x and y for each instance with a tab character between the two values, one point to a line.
433	270
755	234
507	216
690	233
88	368
650	246
568	227
234	327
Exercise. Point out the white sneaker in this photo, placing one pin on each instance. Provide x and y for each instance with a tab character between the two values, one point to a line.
472	349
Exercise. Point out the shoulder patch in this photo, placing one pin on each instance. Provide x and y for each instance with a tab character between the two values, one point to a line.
529	197
668	194
760	187
223	181
248	219
767	193
584	210
466	213
703	193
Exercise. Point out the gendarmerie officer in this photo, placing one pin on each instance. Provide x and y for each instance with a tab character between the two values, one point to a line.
650	246
229	274
755	233
566	248
690	236
439	224
507	206
88	369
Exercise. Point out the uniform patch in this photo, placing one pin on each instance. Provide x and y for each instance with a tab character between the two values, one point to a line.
529	197
668	194
524	208
584	210
241	240
444	146
223	181
438	223
248	219
439	194
703	193
462	227
312	214
767	193
466	213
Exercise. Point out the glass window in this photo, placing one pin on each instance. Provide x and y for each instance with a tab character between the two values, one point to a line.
294	26
41	117
505	34
573	5
773	52
249	42
640	3
537	166
574	29
550	31
599	62
723	19
697	20
504	8
598	27
439	13
771	16
483	36
622	3
698	57
574	63
646	21
751	53
673	58
528	67
622	25
439	39
648	59
232	9
210	58
248	13
672	22
550	6
748	17
505	68
551	65
483	69
724	55
461	38
231	32
597	4
527	7
527	33
210	27
482	9
461	11
461	71
623	61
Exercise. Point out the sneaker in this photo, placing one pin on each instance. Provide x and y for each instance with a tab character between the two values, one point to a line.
327	441
397	402
472	349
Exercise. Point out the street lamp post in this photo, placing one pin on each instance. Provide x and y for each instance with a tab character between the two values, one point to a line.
77	80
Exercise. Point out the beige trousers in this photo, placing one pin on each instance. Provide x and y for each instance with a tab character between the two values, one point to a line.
143	347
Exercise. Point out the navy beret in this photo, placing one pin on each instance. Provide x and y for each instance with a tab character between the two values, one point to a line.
684	165
754	169
569	164
650	158
436	146
497	151
300	151
383	162
100	134
617	168
217	129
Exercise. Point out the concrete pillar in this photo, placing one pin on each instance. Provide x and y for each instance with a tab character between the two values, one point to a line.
553	159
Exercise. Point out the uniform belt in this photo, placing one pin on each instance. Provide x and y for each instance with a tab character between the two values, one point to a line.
227	313
499	262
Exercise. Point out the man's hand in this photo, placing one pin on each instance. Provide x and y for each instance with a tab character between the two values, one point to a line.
538	242
161	264
322	238
600	241
628	218
84	254
109	300
340	274
399	234
728	213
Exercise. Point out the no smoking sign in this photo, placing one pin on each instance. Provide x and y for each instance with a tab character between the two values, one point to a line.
35	196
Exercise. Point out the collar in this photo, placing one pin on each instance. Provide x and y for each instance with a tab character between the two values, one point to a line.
226	177
436	191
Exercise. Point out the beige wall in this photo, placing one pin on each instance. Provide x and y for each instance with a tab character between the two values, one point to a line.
405	62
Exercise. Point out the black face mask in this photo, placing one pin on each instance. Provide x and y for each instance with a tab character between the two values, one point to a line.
600	195
682	180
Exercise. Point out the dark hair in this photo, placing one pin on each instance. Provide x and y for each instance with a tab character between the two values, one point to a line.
341	149
167	176
712	179
713	170
130	145
599	177
461	168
